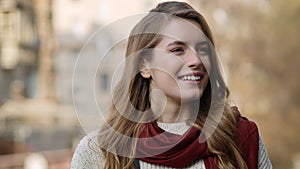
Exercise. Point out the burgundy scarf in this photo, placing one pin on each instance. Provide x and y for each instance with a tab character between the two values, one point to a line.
172	150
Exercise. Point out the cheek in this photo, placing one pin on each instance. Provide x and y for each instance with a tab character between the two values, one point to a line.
206	63
164	79
166	66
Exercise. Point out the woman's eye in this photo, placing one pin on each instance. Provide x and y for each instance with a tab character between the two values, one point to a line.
177	51
203	51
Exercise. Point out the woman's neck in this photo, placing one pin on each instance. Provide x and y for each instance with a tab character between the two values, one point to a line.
171	111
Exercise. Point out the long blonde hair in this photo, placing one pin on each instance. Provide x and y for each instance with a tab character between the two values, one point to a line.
131	96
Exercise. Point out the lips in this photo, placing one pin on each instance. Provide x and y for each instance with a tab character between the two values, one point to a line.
195	76
185	78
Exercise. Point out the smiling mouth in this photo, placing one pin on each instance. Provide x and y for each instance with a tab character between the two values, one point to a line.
191	78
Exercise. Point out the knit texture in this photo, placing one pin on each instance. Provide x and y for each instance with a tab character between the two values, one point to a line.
89	156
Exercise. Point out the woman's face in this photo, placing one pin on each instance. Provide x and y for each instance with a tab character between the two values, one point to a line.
179	64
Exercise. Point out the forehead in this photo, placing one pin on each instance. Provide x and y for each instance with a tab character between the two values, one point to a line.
183	30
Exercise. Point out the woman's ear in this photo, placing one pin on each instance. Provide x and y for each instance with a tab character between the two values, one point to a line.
144	69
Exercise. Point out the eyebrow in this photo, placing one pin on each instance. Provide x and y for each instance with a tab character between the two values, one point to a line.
177	43
205	42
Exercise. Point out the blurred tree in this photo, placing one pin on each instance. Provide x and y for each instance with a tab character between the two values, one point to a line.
259	42
272	48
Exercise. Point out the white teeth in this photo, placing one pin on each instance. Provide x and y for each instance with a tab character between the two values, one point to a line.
191	77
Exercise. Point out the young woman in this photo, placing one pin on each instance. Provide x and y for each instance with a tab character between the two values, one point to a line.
170	108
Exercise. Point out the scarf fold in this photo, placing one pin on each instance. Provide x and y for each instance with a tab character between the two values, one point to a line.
160	147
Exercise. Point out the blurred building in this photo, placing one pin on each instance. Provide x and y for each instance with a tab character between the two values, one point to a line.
82	43
18	49
27	123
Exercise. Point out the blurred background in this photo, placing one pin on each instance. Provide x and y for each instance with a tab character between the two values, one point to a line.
257	41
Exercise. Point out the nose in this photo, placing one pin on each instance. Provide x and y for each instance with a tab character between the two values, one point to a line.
192	60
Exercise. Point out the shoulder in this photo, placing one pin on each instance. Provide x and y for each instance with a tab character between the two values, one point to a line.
247	131
250	143
263	158
247	139
88	153
245	128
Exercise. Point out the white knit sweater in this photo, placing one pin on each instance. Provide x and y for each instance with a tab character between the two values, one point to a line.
89	156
